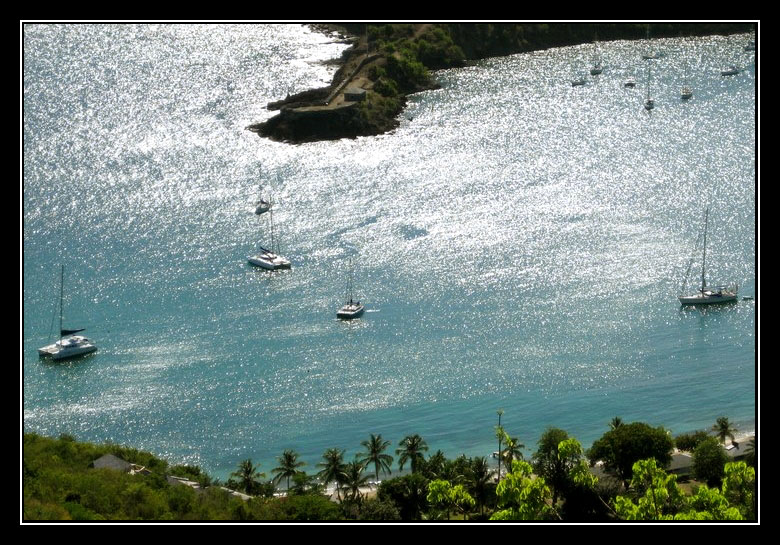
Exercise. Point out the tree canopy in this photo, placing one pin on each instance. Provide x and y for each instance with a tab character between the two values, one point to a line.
620	448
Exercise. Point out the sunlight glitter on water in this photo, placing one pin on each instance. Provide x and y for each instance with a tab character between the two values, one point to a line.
518	240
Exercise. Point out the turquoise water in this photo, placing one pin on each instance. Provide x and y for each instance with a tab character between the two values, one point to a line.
519	245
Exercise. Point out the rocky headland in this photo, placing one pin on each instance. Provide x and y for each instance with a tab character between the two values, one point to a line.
388	62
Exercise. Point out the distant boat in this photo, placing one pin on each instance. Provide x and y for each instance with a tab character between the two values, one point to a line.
577	79
269	259
69	345
730	71
630	82
597	68
751	46
686	92
651	54
351	309
713	294
262	206
649	102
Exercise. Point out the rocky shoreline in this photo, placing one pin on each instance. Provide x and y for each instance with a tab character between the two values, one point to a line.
386	63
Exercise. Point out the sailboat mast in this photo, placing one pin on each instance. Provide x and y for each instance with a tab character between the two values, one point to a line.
271	216
704	256
62	289
648	81
349	285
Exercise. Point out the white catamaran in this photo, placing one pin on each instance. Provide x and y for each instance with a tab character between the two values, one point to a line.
69	345
269	259
708	295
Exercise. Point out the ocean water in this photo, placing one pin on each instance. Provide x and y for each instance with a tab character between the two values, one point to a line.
519	244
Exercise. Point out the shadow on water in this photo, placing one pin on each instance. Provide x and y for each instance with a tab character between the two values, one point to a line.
67	362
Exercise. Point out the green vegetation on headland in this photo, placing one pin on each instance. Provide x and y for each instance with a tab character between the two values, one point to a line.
64	479
391	61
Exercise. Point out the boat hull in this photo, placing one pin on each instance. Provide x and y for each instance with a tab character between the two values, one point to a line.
269	262
348	312
68	348
707	299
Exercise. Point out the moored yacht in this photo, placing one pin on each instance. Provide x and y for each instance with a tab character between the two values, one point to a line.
350	309
712	294
69	345
269	260
262	206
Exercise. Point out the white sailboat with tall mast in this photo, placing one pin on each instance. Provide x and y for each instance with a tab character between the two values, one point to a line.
269	259
70	344
351	308
708	295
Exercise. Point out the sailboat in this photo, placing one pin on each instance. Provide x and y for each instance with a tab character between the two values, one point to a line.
350	309
686	92
269	259
69	345
650	55
262	206
577	79
597	66
713	294
649	102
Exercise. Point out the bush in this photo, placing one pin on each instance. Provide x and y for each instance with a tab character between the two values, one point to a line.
709	459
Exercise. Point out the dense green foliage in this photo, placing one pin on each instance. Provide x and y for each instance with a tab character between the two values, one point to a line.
60	483
620	448
689	441
655	495
709	459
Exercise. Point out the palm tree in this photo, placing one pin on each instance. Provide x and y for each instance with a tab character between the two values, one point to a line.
288	466
615	423
247	475
412	448
723	429
750	451
479	481
499	436
332	468
375	447
354	479
513	450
